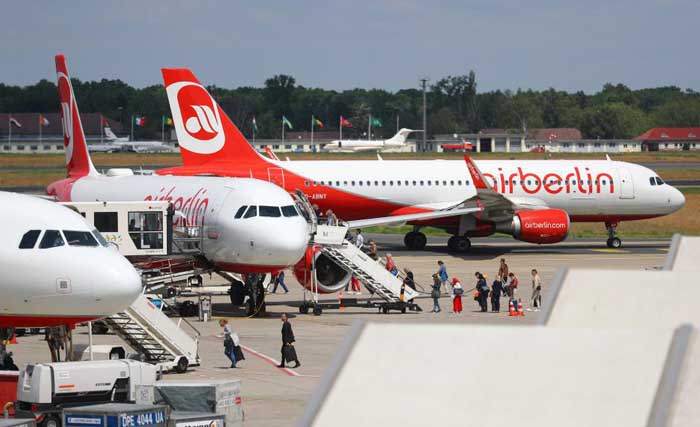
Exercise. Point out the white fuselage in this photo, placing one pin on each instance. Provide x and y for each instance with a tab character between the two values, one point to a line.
242	244
585	189
50	279
350	145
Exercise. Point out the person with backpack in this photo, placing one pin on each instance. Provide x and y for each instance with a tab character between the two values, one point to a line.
496	290
483	288
457	292
435	293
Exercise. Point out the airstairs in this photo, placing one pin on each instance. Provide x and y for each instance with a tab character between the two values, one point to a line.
157	338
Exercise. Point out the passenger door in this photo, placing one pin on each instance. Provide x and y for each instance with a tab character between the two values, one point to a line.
626	184
276	176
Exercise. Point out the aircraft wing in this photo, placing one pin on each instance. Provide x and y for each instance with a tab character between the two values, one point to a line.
412	217
495	205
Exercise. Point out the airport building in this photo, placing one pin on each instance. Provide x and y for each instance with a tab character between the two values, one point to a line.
670	139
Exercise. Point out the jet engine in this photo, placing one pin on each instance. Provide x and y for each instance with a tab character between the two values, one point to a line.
330	277
537	226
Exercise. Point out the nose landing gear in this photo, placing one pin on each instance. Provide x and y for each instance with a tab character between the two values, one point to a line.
613	241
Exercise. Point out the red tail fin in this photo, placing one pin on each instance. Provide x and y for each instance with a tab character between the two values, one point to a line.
78	160
204	131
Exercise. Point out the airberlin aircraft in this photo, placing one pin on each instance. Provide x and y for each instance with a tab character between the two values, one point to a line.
248	225
57	270
534	201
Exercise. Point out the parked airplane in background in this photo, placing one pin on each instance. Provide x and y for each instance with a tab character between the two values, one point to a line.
355	145
56	269
248	225
533	201
115	144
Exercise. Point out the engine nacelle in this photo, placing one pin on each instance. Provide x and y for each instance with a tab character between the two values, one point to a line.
330	277
538	226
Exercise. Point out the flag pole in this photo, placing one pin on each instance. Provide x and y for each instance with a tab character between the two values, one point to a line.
101	131
341	128
40	126
282	130
162	128
132	128
369	128
397	123
9	128
312	129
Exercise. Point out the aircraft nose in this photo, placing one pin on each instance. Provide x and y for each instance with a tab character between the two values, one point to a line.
119	284
676	199
288	247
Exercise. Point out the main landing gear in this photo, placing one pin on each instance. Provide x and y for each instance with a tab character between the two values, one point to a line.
415	240
613	241
253	288
460	244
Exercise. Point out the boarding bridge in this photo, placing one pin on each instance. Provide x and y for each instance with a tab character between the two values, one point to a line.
156	337
372	274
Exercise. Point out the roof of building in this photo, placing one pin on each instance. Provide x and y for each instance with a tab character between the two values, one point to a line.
30	124
670	134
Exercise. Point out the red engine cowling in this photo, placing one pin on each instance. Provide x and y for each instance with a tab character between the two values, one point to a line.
538	226
330	277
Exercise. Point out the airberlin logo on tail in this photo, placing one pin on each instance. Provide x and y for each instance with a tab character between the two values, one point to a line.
196	118
66	97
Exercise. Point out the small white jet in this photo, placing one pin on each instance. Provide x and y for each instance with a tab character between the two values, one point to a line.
56	269
355	145
117	144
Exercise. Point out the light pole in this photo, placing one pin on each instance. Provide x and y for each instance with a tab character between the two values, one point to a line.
424	81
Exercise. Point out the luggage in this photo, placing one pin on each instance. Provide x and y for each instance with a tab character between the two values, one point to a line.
238	353
289	353
459	291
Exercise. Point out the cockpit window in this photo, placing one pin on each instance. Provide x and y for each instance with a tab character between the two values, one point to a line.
51	239
289	211
80	238
240	211
100	238
659	181
29	239
272	211
252	211
652	181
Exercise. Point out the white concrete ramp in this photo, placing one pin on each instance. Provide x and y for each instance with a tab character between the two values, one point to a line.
684	254
464	375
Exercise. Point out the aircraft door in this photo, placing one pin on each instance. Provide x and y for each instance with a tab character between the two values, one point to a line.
626	184
276	176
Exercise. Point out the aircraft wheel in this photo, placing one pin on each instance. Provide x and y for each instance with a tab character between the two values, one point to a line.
419	241
463	244
182	365
615	243
304	308
409	238
317	310
237	293
51	421
452	243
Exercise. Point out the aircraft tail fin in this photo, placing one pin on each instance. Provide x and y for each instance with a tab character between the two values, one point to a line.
400	137
109	135
78	162
204	131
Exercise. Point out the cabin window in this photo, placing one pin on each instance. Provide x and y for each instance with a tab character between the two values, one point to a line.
51	239
352	183
29	239
252	212
80	238
306	183
652	181
239	212
337	183
100	238
383	183
289	211
359	183
421	183
659	181
391	182
270	211
107	222
452	182
369	183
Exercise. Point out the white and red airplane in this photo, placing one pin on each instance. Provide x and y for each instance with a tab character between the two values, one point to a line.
248	225
357	145
534	201
56	269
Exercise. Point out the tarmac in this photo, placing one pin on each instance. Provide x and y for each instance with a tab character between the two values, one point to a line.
276	397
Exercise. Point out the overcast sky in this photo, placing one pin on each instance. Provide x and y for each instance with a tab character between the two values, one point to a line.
565	44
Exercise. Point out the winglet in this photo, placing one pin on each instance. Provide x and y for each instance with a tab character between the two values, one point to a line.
479	181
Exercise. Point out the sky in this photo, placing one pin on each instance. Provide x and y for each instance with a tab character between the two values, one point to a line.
387	44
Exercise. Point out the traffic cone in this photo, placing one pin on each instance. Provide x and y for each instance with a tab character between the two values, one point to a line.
340	300
521	312
511	309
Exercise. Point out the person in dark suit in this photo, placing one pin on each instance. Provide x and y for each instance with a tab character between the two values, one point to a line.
289	353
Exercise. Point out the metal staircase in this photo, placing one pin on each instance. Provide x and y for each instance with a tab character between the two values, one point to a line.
156	337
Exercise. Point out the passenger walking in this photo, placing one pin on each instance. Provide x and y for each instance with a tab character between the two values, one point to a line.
483	288
355	282
289	353
229	344
435	293
409	281
496	290
373	250
331	219
442	273
503	272
391	265
457	292
359	239
512	286
279	281
536	299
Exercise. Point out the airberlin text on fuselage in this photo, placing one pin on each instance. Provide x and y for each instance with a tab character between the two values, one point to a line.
553	183
194	208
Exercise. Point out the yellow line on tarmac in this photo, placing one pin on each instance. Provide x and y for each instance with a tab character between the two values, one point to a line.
610	251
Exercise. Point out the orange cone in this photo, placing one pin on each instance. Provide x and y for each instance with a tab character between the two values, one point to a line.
13	340
511	309
340	300
521	312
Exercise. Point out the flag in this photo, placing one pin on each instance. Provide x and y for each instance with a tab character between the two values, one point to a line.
167	121
344	122
103	121
376	122
255	124
140	121
43	121
15	122
286	122
318	123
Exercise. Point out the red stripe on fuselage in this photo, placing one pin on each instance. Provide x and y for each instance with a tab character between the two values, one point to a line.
28	321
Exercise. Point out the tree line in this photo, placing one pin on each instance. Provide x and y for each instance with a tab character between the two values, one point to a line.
454	106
